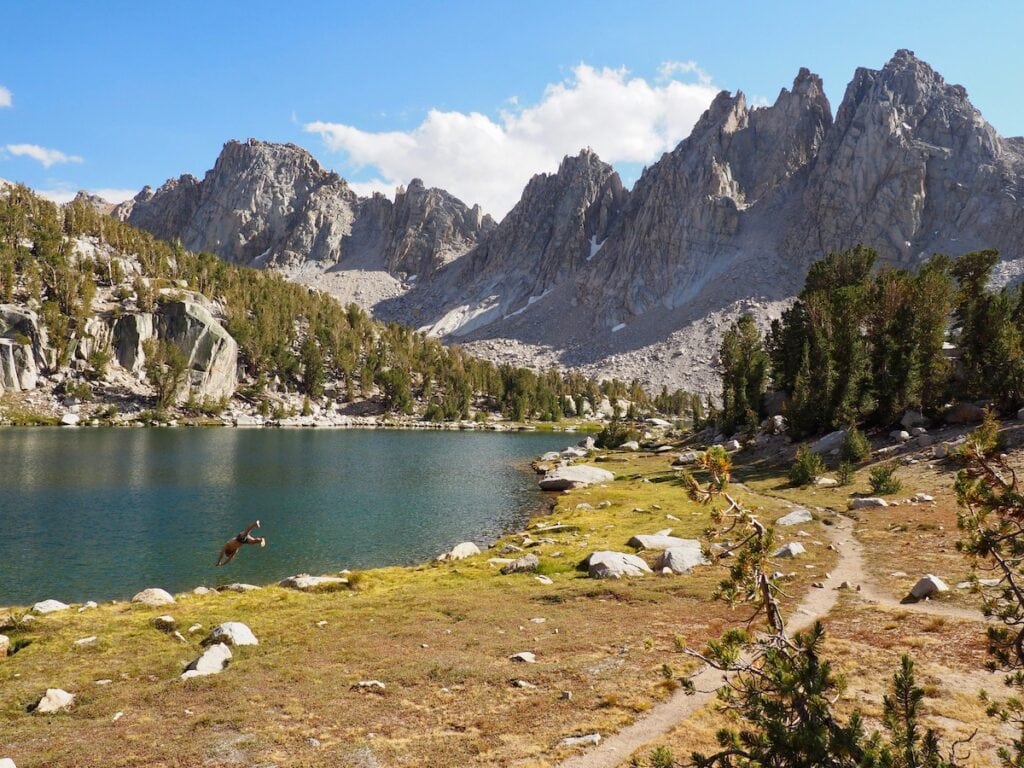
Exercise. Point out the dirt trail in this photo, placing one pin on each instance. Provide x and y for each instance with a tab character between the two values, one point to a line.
616	748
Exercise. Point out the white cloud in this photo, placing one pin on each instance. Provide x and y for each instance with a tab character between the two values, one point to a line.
43	155
6	100
65	193
482	160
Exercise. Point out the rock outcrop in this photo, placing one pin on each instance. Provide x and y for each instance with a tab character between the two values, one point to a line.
23	348
266	204
211	352
556	228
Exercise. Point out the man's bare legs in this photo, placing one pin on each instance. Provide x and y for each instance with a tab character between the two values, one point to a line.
233	545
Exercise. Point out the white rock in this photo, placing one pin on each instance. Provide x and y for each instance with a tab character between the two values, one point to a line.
923	498
462	551
732	446
685	458
796	517
544	580
154	597
578	476
681	559
792	549
6	762
614	565
826	482
829	442
232	633
50	606
579	741
524	656
88	606
927	586
55	700
5	645
867	502
69	420
194	628
213	661
306	583
369	685
899	434
236	587
87	641
165	623
630	445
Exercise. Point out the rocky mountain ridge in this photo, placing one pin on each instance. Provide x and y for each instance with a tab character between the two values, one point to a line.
584	273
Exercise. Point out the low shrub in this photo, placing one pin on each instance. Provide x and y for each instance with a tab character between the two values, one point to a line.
883	479
807	466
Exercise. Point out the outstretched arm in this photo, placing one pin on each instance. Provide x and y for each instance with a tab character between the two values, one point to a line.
251	528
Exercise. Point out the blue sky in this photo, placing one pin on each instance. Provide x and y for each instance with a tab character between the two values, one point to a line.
472	96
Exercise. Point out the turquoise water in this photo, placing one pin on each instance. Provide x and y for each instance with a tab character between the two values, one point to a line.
94	514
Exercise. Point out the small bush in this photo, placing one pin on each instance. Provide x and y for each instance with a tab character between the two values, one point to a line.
807	466
845	473
855	447
614	435
883	479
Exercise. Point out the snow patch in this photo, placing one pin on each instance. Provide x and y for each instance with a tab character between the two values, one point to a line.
529	303
618	327
594	247
466	318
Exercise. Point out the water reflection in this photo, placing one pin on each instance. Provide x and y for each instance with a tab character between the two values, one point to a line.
100	513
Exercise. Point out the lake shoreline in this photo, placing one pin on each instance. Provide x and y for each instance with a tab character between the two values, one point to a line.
496	524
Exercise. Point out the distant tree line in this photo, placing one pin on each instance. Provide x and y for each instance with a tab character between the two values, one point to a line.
289	335
861	345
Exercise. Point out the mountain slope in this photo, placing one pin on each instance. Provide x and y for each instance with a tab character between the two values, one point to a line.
641	283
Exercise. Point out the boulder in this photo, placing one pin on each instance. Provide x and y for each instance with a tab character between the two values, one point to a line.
830	442
686	458
912	419
591	739
232	633
306	583
922	498
69	420
578	476
50	606
868	502
776	425
5	646
659	423
6	762
826	482
681	559
237	587
462	551
965	413
927	586
154	597
630	445
900	435
214	660
55	700
732	446
130	331
211	352
587	443
947	448
526	564
792	549
615	565
660	541
796	517
524	656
